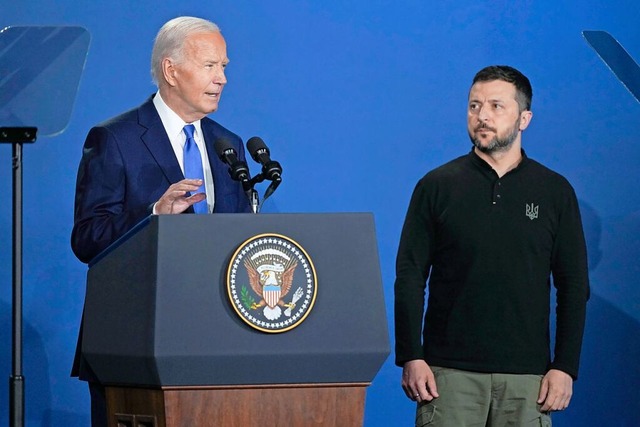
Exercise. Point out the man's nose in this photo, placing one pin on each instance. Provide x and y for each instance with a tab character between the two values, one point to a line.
483	114
219	77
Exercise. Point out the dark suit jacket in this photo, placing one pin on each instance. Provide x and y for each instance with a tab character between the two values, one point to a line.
127	164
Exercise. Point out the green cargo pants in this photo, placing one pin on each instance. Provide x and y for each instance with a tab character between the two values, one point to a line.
472	399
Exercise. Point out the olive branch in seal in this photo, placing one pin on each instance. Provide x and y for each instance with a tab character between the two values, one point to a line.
246	298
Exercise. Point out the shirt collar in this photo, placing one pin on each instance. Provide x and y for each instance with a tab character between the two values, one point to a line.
479	161
172	123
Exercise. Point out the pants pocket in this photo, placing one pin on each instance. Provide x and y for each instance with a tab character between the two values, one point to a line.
425	414
545	420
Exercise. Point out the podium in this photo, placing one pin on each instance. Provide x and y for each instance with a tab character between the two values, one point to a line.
161	333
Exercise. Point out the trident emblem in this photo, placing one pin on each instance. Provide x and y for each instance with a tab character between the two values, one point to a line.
532	211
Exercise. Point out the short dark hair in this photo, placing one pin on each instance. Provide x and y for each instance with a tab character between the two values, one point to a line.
524	93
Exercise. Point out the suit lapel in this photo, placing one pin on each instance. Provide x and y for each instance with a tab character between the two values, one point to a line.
210	137
218	168
157	142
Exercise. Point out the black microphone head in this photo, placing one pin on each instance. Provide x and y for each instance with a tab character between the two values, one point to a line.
238	169
223	147
257	147
260	153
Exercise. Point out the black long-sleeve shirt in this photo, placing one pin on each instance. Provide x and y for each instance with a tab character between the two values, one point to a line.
489	245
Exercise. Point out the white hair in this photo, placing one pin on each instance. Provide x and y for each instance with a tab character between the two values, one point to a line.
169	42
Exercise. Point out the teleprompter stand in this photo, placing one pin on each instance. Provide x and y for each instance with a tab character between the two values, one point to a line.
40	68
17	137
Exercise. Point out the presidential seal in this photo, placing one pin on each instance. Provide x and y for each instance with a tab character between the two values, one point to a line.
271	283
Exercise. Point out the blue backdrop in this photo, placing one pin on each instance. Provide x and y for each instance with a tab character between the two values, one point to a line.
357	100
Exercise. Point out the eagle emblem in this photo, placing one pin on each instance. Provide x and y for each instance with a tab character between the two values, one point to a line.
271	283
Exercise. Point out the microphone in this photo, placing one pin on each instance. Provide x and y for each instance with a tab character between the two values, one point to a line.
238	169
271	169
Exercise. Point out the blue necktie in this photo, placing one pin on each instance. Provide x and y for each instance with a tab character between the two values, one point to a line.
193	166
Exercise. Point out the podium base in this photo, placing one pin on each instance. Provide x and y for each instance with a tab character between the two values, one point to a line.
264	405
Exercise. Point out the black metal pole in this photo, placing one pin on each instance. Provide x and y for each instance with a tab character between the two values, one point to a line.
17	136
16	381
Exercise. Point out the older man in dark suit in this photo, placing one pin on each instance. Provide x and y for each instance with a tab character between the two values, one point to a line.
142	162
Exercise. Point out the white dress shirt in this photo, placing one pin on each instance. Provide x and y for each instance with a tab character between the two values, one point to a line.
173	125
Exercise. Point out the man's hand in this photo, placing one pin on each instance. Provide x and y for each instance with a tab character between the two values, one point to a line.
555	391
177	200
418	381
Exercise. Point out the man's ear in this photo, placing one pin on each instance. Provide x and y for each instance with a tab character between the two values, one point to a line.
169	71
525	119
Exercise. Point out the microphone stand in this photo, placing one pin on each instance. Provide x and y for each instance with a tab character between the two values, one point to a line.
252	194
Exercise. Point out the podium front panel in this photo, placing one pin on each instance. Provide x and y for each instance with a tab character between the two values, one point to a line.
158	312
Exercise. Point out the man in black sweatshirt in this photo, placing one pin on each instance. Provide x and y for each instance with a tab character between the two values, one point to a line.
488	230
